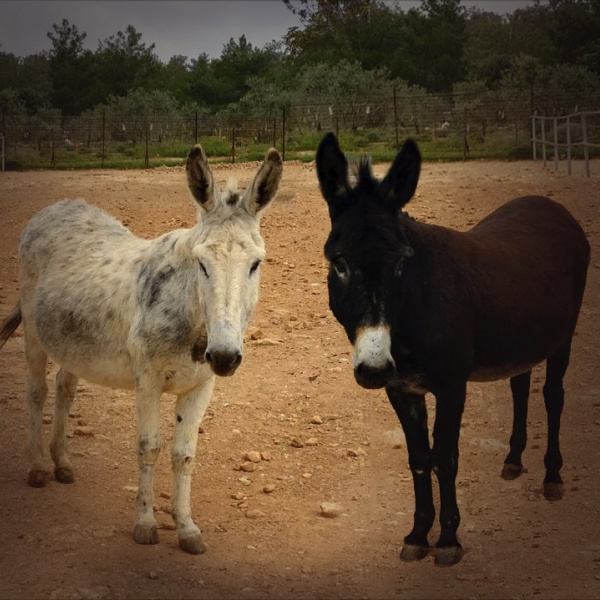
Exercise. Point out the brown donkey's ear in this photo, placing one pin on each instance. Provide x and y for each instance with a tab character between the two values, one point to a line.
332	172
401	180
265	183
200	178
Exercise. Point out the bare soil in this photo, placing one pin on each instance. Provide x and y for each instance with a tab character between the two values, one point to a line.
328	440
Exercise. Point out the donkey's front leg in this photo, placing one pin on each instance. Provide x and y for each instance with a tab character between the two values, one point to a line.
147	398
450	401
189	410
412	412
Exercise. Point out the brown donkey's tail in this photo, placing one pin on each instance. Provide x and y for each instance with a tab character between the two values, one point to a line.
10	324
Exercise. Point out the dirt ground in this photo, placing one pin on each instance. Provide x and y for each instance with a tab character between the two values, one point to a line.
295	400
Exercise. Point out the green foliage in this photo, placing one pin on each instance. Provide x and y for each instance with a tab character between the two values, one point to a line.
368	69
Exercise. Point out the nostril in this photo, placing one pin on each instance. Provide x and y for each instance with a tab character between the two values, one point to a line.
370	376
223	362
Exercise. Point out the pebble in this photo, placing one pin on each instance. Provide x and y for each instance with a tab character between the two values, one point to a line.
268	342
312	442
244	481
83	431
255	513
266	455
166	495
297	443
317	420
356	453
269	488
248	466
331	509
253	456
237	496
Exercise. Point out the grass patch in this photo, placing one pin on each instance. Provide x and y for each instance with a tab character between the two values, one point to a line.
300	145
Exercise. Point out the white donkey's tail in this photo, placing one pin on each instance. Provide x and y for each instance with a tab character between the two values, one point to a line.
10	324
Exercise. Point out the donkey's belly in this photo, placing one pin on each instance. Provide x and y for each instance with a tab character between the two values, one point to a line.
175	377
505	371
101	370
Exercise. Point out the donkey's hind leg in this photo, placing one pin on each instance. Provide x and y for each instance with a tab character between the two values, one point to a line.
66	386
519	386
554	395
36	392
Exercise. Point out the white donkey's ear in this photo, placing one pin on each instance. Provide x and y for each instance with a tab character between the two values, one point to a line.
200	178
265	183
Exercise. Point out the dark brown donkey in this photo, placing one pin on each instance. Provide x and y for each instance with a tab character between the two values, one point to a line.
428	309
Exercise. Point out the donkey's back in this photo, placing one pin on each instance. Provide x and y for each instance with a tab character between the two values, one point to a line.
78	269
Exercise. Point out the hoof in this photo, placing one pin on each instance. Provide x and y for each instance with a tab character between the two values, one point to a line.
553	491
64	475
193	544
446	557
510	471
143	534
412	552
37	478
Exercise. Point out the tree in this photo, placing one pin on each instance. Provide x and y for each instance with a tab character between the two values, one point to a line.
487	47
174	77
353	30
575	32
431	50
125	63
239	61
424	46
70	69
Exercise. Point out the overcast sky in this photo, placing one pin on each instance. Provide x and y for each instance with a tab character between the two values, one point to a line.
189	27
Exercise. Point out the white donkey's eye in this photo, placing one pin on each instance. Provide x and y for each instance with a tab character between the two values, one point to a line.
254	266
203	269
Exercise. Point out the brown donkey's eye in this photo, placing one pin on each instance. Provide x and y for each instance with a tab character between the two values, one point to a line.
340	266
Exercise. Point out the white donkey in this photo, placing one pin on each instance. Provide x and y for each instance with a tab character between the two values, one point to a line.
162	315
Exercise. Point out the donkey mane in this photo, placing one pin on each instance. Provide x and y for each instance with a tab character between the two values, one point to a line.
360	173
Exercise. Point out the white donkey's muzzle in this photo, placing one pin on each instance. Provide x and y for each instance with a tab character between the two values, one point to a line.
224	355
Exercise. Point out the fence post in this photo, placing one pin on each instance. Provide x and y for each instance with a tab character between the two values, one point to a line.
52	155
233	132
103	138
533	140
396	120
146	156
283	134
555	127
586	150
544	139
466	135
569	144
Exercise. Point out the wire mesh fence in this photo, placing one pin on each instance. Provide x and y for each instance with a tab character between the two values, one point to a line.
449	126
